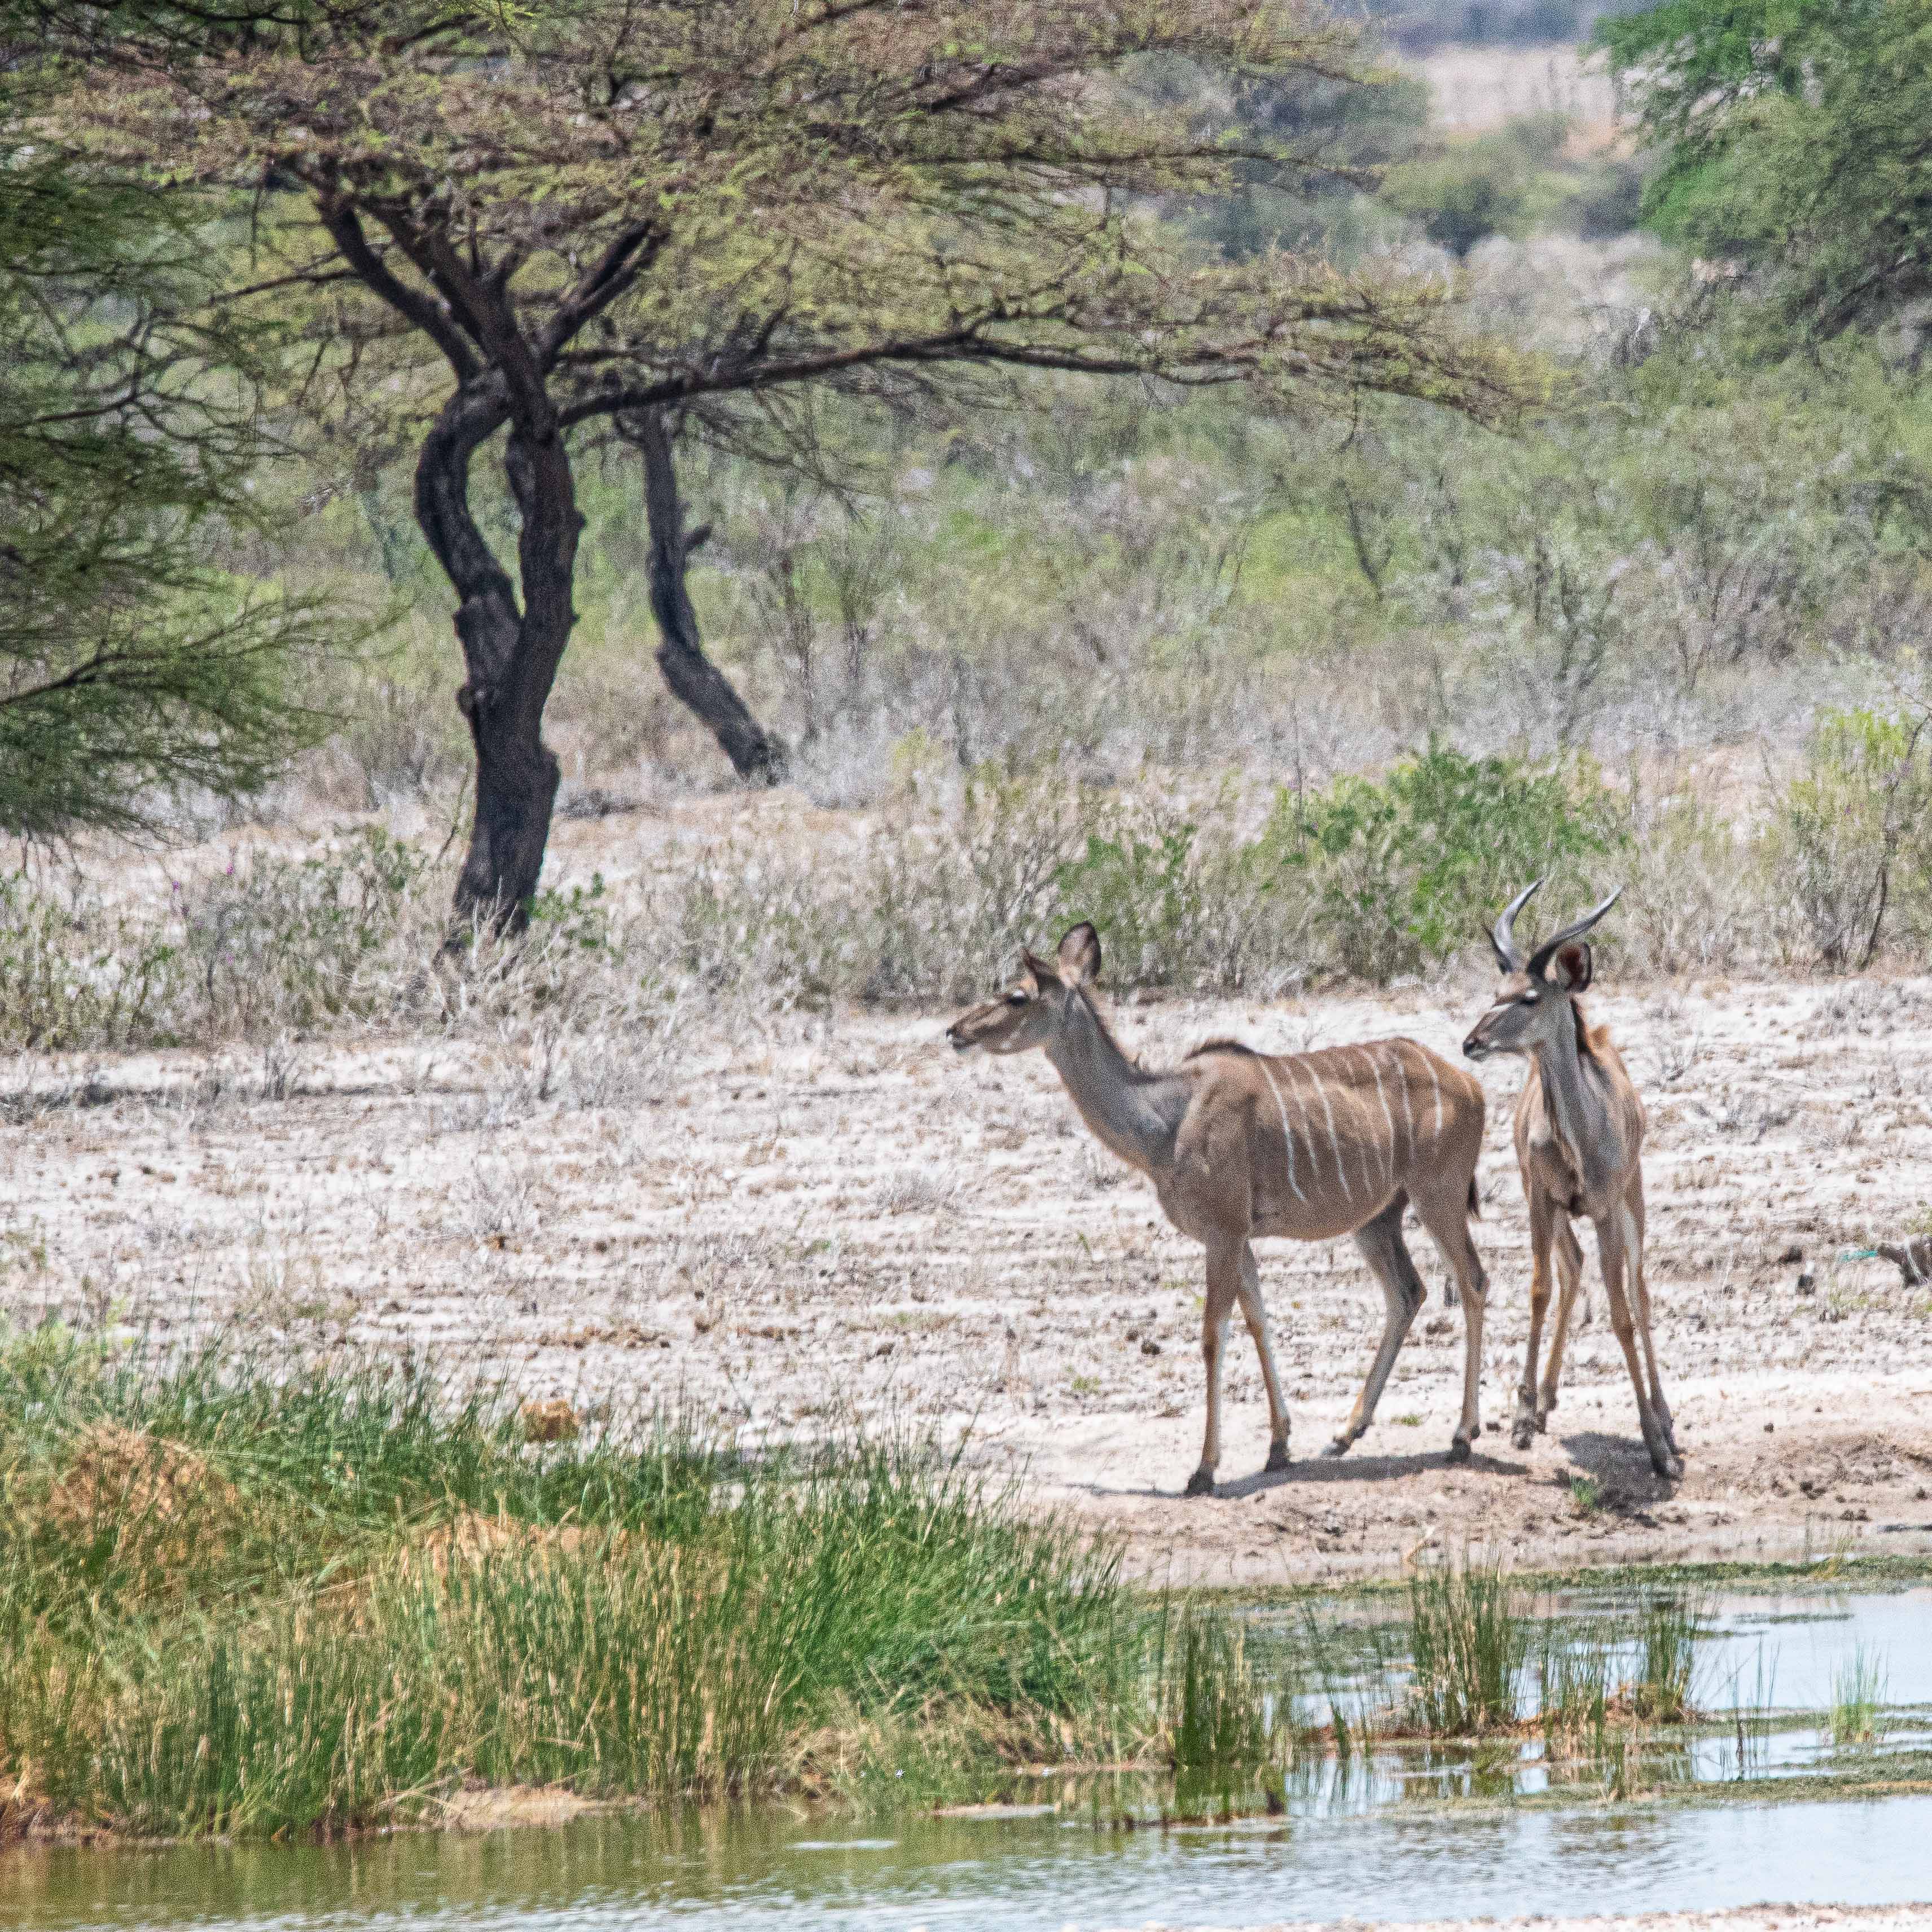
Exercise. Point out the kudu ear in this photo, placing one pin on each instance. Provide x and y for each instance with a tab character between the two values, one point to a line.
1080	955
1574	967
1037	970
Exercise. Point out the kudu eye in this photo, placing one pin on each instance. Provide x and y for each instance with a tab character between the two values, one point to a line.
1530	999
1016	999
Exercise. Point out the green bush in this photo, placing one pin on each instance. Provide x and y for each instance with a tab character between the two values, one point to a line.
1499	183
291	942
1143	892
1407	870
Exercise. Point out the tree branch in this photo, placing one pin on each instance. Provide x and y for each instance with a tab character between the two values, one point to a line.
630	253
420	310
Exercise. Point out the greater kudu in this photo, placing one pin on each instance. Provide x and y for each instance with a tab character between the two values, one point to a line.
1240	1145
1580	1128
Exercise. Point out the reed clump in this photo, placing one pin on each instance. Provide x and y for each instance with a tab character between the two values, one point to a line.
237	1604
1485	1656
1857	1698
1469	1647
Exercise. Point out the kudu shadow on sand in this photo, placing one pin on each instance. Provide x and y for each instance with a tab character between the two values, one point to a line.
1621	1465
1316	1471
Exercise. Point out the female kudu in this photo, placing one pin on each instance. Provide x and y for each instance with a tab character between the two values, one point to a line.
1579	1127
1240	1145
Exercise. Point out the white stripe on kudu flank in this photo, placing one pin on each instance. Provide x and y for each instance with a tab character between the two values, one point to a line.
1436	1082
1362	1152
1287	1131
1334	1143
1388	1149
1408	1113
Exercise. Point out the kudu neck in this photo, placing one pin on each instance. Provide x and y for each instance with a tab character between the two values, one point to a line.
1120	1102
1576	1100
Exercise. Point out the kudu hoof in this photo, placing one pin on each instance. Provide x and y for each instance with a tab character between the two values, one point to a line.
1524	1434
1340	1446
1670	1467
1459	1451
1201	1483
1277	1459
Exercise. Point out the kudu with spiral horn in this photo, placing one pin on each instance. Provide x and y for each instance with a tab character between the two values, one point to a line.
1578	1129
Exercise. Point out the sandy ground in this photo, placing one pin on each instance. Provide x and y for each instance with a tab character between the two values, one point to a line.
787	1222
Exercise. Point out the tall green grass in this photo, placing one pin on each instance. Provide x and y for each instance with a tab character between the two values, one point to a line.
1857	1698
1668	1626
1469	1637
233	1604
1485	1656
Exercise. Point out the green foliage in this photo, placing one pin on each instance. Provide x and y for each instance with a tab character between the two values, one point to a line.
564	291
1668	1630
137	671
1494	183
1794	133
578	915
1573	1673
1408	869
1354	130
293	941
1468	1646
1144	893
273	944
235	1601
1857	1698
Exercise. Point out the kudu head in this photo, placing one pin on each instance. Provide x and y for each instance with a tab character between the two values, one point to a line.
1034	1008
1535	1003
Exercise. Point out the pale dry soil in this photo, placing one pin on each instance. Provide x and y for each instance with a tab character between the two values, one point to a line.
784	1223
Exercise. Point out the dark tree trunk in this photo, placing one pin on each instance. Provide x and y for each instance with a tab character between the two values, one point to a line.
511	653
756	753
502	373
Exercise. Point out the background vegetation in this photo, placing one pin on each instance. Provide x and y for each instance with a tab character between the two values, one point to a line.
1273	698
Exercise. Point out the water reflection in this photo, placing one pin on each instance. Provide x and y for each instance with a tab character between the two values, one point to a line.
768	1869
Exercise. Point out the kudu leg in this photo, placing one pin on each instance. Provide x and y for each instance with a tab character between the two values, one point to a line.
1254	1311
1611	1251
1570	1279
1542	1232
1224	1286
1448	1226
1634	1246
1380	1241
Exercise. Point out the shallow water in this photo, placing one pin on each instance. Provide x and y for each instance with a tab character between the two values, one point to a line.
1031	1874
1362	1838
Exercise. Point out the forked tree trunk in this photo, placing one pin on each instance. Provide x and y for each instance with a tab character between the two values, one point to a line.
756	753
511	653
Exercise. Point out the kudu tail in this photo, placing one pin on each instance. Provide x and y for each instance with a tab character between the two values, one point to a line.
1475	1201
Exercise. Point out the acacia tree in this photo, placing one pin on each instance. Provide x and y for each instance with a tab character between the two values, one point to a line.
588	210
1794	133
132	668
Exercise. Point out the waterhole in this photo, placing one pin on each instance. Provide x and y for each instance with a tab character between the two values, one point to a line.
1735	1807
